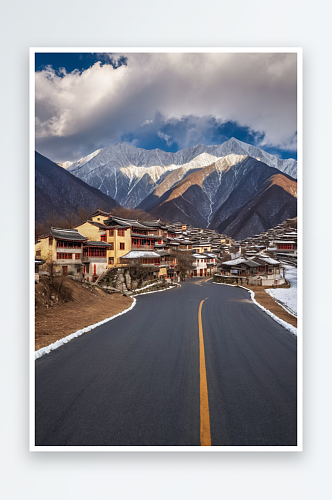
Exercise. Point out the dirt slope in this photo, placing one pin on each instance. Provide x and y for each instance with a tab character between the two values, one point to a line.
73	306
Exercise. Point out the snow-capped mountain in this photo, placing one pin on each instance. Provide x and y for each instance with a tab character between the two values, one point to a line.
84	160
128	180
129	174
233	187
65	165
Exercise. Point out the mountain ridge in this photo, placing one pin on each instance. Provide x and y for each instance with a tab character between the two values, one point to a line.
129	174
204	186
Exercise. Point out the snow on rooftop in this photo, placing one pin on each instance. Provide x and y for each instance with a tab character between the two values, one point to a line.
234	262
137	254
268	260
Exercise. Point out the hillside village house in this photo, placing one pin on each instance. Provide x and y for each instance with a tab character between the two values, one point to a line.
94	259
63	248
156	227
260	270
126	235
71	253
201	247
94	231
211	263
204	264
287	246
149	259
199	265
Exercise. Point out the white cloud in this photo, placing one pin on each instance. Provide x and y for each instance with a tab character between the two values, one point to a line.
166	138
102	103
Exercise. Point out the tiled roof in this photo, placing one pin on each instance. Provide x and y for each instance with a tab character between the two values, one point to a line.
97	244
240	260
67	234
117	221
162	253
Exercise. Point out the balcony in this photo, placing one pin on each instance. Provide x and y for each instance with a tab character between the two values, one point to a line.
142	247
95	260
66	260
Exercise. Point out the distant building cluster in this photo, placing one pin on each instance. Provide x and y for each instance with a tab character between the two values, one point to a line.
260	259
171	251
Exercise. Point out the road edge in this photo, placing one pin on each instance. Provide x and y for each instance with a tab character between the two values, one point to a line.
157	291
292	329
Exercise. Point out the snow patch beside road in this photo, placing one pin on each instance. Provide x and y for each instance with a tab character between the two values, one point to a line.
156	291
292	329
287	297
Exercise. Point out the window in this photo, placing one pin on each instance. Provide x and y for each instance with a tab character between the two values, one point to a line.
103	237
111	232
121	232
111	260
64	255
89	251
284	246
112	246
77	256
68	244
122	246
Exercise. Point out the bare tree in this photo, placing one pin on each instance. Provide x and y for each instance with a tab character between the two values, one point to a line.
184	262
138	272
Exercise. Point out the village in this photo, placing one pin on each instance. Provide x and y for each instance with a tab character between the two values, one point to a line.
106	245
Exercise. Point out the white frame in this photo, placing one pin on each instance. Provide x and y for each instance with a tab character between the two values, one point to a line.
205	449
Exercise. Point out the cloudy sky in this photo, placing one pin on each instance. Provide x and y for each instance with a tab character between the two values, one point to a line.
86	101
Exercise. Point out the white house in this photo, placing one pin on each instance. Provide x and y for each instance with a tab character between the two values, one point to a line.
200	264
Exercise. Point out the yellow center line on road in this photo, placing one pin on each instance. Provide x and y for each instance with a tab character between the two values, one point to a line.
205	432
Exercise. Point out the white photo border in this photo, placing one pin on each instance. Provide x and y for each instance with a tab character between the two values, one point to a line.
296	50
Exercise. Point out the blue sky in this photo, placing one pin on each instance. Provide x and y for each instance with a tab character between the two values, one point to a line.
72	61
85	101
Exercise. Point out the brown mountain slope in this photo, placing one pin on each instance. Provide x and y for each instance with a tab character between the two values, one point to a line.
275	202
197	178
287	184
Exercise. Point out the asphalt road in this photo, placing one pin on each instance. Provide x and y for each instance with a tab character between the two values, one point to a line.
135	381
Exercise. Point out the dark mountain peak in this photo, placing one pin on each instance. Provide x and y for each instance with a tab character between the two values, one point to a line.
60	193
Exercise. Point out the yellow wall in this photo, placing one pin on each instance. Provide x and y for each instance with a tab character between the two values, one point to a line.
48	252
99	218
91	231
116	253
201	249
162	271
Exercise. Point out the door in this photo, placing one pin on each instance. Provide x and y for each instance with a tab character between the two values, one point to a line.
201	272
64	270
